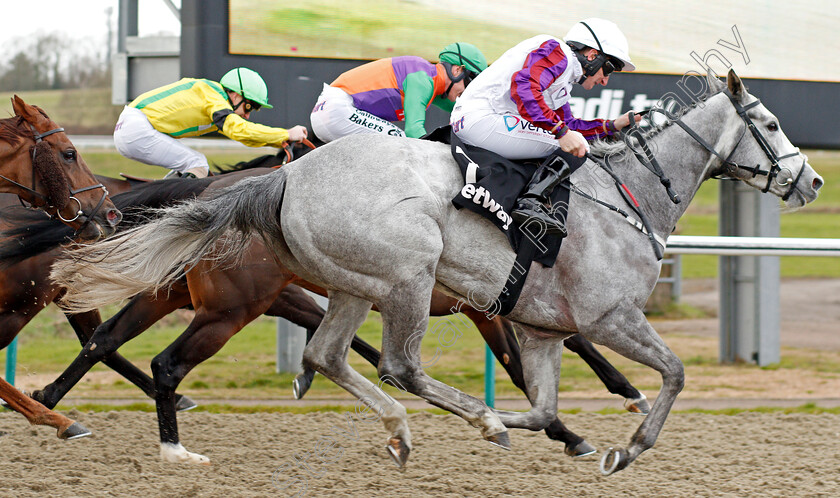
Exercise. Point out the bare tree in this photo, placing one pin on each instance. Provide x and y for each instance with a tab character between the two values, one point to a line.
54	61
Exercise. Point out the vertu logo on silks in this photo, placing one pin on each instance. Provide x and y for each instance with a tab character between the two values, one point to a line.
511	122
457	125
514	122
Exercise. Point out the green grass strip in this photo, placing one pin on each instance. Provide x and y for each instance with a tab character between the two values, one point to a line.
807	408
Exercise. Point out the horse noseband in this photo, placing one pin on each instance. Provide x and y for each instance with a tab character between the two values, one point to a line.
38	137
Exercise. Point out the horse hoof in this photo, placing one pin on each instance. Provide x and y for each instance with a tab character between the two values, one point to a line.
300	386
184	404
75	431
582	449
399	451
639	406
38	395
176	453
502	440
613	461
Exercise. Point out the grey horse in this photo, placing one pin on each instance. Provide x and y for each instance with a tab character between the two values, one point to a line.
370	219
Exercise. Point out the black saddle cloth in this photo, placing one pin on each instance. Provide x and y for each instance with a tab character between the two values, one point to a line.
492	185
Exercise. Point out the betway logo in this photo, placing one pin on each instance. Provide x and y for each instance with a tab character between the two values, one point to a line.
471	192
475	194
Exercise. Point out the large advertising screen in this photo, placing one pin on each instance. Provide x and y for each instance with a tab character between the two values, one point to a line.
766	39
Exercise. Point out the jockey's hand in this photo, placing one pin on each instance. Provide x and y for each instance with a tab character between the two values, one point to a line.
573	143
624	120
297	133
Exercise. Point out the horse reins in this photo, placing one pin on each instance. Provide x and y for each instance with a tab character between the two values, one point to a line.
756	170
290	155
652	164
630	199
38	137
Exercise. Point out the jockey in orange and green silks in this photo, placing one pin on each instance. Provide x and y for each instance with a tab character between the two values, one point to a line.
371	97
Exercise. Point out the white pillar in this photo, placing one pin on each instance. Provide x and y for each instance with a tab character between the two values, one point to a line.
749	285
291	339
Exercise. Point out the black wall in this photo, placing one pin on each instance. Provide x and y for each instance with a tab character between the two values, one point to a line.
808	111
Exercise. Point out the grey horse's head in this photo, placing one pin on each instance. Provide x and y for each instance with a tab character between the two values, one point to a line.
793	179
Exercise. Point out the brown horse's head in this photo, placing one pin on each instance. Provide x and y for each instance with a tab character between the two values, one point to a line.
40	164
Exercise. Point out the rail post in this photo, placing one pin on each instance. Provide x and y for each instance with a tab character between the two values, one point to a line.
749	285
489	377
11	361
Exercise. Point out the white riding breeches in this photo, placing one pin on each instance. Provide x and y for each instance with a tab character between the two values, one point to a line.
334	116
505	134
136	138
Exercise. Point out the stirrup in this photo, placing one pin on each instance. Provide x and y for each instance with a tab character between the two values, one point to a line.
529	210
172	174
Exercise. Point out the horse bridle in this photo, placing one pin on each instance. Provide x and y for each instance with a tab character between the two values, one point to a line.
652	164
774	170
756	170
38	137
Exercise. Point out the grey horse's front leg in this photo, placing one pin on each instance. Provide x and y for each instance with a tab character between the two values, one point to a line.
626	331
404	321
327	353
541	356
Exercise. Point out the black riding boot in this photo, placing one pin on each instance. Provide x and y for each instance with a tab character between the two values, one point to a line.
531	205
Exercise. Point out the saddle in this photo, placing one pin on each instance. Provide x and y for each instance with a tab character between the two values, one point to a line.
492	185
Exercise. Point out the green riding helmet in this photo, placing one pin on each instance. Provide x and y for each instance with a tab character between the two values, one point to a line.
248	83
463	54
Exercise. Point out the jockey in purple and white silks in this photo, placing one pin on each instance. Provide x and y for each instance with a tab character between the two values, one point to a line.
519	106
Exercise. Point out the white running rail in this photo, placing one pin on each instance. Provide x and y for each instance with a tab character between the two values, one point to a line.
752	246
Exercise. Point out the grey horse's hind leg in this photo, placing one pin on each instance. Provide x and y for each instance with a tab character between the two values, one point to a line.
327	353
541	355
628	333
615	382
405	317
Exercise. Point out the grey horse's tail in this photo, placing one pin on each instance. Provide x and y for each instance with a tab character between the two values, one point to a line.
153	255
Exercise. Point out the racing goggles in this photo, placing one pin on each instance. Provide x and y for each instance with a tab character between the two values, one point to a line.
250	106
611	65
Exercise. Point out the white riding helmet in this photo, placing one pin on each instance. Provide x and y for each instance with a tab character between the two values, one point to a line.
610	39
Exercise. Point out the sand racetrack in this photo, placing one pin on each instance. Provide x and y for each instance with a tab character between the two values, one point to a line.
751	454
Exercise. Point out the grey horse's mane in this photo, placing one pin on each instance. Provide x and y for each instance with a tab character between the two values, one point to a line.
603	148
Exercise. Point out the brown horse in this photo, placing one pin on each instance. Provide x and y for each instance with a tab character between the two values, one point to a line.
25	290
226	299
40	165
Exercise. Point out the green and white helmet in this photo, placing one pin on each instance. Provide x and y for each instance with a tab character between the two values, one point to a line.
248	83
463	54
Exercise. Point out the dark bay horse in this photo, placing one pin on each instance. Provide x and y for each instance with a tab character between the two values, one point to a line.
225	300
40	165
369	218
25	288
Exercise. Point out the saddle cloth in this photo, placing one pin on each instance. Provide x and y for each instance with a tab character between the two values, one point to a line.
492	185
